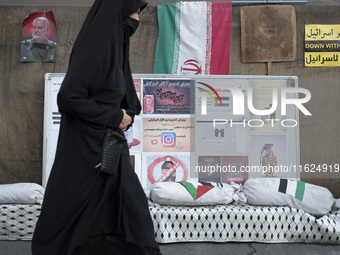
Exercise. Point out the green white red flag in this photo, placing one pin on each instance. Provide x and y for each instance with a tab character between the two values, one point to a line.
293	188
194	38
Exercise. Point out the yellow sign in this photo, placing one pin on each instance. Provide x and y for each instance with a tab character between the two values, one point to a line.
322	58
322	32
322	45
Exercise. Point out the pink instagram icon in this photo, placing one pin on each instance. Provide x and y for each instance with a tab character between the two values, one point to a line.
168	139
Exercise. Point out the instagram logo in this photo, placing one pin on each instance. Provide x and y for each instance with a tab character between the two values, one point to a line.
168	139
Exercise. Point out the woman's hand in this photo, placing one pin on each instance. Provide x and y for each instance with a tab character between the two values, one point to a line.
126	121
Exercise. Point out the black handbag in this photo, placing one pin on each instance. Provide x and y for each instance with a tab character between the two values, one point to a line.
111	149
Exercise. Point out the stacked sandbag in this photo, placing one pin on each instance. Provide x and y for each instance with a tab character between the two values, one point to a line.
191	193
310	198
21	193
336	206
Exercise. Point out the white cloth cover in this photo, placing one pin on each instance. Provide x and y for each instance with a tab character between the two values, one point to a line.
18	221
310	198
191	193
220	223
21	193
243	223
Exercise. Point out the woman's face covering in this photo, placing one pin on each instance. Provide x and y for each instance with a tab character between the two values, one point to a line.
131	24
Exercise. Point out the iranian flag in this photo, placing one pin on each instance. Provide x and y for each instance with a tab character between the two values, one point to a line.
194	38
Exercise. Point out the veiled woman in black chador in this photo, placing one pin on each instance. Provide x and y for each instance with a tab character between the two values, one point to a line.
86	212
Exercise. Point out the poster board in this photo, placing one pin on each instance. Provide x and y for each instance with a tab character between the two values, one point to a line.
188	128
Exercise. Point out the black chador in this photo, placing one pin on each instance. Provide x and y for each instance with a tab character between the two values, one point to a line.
85	212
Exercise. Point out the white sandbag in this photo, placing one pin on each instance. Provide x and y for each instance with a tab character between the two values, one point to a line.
238	196
310	198
191	193
21	193
336	206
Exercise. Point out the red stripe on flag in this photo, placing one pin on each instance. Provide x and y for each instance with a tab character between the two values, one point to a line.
201	190
221	31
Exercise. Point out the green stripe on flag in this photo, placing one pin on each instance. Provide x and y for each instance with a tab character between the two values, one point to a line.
190	188
300	190
177	42
166	38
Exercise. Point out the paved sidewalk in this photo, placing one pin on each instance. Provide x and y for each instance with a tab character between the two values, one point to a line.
23	248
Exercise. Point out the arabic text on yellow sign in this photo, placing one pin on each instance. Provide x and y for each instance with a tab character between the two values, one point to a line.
322	32
322	58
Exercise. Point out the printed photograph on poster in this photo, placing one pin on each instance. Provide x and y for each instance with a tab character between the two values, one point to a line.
167	135
39	38
136	162
268	156
163	167
206	168
262	98
138	87
221	139
236	169
166	96
134	135
215	99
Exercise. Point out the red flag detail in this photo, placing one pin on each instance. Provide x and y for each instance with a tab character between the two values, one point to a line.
201	190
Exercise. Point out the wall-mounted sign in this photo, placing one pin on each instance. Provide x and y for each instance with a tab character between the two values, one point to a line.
268	33
322	45
39	38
